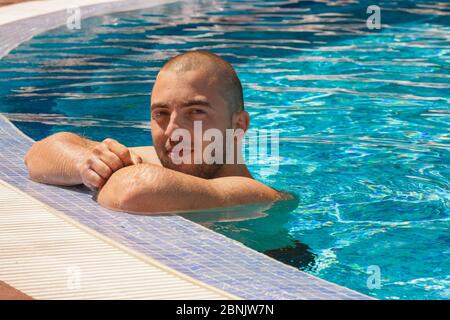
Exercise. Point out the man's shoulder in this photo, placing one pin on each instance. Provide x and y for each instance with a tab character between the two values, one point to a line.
147	153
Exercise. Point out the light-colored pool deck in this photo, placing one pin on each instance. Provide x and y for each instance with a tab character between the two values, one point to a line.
48	255
55	242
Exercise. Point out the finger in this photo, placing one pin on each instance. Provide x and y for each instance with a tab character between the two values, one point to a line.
91	187
111	160
102	152
101	168
120	150
93	179
136	159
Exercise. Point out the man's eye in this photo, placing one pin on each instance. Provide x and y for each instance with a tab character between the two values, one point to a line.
198	111
159	114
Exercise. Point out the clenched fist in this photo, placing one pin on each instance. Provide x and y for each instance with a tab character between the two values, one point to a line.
103	160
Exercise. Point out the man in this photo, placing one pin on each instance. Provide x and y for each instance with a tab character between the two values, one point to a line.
194	87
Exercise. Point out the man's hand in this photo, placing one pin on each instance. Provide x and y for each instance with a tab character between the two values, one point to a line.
69	159
103	160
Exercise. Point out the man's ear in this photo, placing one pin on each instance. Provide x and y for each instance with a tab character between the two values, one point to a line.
241	120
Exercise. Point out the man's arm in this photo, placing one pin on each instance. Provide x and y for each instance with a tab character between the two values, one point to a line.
57	158
148	188
69	159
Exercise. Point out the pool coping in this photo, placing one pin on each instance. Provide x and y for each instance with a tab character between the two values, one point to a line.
172	240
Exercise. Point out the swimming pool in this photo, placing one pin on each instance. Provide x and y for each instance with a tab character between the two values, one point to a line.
364	118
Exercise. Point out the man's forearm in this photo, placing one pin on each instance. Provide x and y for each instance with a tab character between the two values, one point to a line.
148	188
56	159
151	188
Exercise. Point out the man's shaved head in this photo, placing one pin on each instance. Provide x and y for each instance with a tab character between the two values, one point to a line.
220	73
191	88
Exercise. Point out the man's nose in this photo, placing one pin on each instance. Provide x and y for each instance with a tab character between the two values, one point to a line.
172	126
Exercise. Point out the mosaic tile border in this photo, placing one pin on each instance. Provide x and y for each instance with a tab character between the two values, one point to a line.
173	240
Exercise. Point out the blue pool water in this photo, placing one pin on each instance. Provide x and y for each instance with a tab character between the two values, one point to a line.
364	118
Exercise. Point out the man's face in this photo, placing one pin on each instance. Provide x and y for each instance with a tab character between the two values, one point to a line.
179	99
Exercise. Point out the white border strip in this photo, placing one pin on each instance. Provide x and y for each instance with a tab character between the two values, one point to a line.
30	9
